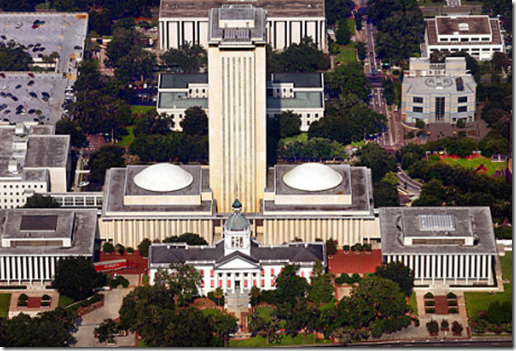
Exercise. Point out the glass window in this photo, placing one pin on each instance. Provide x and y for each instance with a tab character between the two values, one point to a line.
417	109
462	99
417	99
463	109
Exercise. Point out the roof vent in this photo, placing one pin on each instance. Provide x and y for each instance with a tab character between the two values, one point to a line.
463	26
13	166
20	129
168	247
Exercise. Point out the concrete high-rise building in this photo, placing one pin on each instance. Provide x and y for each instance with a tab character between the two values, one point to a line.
237	105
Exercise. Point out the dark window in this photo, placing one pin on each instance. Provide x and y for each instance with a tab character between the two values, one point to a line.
462	99
439	108
463	109
417	109
418	100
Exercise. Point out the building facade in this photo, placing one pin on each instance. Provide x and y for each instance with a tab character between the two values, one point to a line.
238	262
479	36
438	92
444	246
32	160
287	22
34	240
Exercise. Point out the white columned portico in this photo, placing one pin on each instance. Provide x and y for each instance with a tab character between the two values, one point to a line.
467	268
455	264
445	268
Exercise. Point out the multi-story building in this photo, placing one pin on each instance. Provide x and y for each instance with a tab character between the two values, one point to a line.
301	93
32	160
479	36
448	246
438	92
287	22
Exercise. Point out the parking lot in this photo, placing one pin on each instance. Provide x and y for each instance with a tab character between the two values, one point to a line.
21	97
62	33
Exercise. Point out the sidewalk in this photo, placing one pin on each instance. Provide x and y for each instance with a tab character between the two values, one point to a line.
14	310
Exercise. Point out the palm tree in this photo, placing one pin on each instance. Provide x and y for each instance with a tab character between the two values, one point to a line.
218	293
255	293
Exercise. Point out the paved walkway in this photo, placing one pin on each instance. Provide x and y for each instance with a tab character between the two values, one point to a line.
112	303
352	262
14	310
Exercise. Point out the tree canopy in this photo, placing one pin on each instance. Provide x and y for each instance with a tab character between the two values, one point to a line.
335	10
76	278
188	238
188	58
14	57
290	124
350	79
398	273
68	127
195	122
321	290
377	159
41	201
106	157
302	57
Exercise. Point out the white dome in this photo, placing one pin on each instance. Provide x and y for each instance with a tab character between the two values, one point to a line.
312	177
163	177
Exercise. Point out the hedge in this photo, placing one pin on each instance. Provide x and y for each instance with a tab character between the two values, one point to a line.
453	310
45	303
23	297
451	296
22	303
119	280
429	295
452	303
429	303
430	310
45	298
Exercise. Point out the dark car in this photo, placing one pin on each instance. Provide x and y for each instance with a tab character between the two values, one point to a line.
18	87
2	94
14	98
2	75
18	112
36	21
45	94
42	117
7	111
31	111
31	83
35	50
77	47
19	107
3	37
41	49
6	119
34	95
41	23
31	75
3	106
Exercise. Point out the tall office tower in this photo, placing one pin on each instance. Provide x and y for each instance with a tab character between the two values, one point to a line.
237	105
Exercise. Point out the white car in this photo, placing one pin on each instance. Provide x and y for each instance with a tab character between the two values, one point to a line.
83	184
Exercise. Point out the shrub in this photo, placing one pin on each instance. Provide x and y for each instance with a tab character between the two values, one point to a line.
409	135
451	295
445	324
430	310
212	297
355	278
119	280
120	248
130	250
429	303
481	326
498	329
45	298
360	247
461	123
429	295
368	247
462	134
420	124
457	327
433	327
331	247
452	303
45	303
23	297
108	247
143	247
453	310
416	321
345	247
22	303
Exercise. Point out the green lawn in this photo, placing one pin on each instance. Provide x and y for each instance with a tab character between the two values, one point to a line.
211	312
474	163
479	301
358	143
128	139
299	137
142	109
413	303
5	301
65	300
347	54
264	312
351	25
432	3
141	343
286	340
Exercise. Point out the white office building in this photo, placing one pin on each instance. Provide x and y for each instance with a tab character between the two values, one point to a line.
479	36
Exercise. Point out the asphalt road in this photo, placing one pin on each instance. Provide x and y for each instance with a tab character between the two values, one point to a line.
434	343
413	186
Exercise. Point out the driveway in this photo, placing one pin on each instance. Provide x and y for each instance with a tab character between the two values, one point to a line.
112	303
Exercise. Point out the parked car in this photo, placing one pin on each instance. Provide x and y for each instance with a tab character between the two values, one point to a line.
31	83
34	95
18	86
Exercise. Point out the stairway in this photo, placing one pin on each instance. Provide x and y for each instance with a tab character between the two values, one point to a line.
236	300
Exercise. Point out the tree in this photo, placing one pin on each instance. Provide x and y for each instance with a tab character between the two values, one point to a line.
302	57
184	279
315	149
433	327
457	327
385	194
107	330
398	273
189	327
124	40
68	127
143	247
188	58
195	122
291	291
343	34
500	61
335	10
350	79
188	238
388	90
322	288
331	247
151	122
361	50
108	156
290	124
262	326
358	20
377	159
224	324
218	294
255	293
76	278
41	201
13	57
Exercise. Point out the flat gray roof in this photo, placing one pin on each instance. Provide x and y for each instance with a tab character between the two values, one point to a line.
113	200
81	223
181	80
47	151
180	100
22	225
431	32
398	222
439	85
274	8
300	100
223	34
300	80
361	196
450	25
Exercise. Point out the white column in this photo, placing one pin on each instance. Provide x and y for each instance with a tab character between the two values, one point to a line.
416	267
30	262
433	269
2	268
489	275
18	268
224	282
47	268
427	267
467	268
389	259
445	267
461	267
411	262
8	268
478	268
455	268
405	260
233	282
52	266
438	272
41	269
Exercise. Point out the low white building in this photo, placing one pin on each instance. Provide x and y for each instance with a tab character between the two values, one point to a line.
301	93
479	36
452	246
32	160
34	240
238	262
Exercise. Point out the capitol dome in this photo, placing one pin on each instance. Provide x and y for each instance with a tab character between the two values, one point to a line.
312	177
163	177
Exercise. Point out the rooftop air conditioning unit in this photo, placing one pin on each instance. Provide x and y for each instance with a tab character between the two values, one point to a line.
463	26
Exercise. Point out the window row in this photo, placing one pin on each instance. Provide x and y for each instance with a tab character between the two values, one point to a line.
22	186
